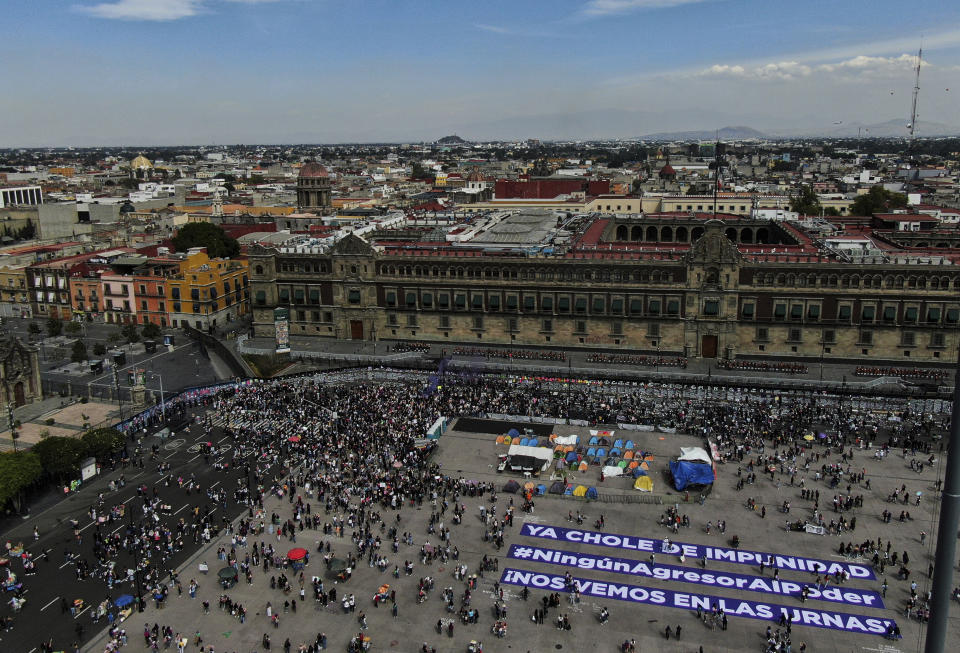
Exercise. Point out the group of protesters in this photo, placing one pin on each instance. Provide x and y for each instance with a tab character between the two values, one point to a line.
345	460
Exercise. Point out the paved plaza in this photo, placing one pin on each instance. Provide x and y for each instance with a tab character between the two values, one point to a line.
625	511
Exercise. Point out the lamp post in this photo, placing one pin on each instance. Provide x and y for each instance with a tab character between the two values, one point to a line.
163	404
116	385
13	425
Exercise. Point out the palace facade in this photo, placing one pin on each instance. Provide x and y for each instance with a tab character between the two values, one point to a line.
688	284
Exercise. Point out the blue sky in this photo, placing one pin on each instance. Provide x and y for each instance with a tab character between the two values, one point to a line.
202	71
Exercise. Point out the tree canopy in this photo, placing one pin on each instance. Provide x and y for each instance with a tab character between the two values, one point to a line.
59	456
18	471
101	443
805	201
204	234
877	200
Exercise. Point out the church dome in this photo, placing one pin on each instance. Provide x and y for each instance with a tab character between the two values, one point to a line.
313	170
140	162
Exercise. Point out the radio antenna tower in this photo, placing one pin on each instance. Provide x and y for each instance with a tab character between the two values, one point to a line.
916	93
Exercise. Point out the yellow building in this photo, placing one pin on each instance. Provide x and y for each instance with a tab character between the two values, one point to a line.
14	300
205	293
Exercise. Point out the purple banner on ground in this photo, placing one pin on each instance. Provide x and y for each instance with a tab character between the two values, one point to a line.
718	553
853	623
586	561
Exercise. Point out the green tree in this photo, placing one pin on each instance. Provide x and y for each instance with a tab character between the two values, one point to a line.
877	200
59	456
150	331
28	231
18	471
73	328
204	234
129	331
99	349
805	201
101	443
79	352
34	329
54	326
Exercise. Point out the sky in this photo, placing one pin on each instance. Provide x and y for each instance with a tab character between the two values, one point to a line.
168	72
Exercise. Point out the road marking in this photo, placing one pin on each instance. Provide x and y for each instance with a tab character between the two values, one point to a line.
81	612
86	527
194	458
222	439
180	508
49	604
215	485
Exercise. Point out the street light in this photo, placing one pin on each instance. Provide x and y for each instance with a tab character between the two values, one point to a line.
116	385
163	404
13	429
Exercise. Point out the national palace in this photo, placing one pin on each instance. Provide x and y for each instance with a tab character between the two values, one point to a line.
692	284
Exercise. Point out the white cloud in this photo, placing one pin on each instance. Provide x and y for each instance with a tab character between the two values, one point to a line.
611	7
495	29
782	71
155	10
159	10
858	66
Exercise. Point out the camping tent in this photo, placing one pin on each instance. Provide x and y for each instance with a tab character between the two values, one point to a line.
580	491
643	483
511	486
686	473
513	433
694	455
592	493
541	490
612	471
557	487
638	472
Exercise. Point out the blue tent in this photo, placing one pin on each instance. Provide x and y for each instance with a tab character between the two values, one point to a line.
513	433
123	600
639	472
593	440
628	445
541	490
571	457
592	493
688	473
524	442
569	490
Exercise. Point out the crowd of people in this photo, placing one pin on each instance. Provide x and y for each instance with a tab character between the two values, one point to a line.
512	354
406	347
902	372
761	366
345	461
638	360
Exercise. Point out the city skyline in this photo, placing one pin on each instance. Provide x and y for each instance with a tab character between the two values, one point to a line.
167	72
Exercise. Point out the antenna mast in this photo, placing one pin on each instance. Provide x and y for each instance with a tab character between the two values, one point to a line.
916	93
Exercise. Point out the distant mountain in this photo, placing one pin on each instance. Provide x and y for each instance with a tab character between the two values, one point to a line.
739	132
452	140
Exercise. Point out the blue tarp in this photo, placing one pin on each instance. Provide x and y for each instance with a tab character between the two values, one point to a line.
687	473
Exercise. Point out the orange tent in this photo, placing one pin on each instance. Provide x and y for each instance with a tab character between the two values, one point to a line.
499	439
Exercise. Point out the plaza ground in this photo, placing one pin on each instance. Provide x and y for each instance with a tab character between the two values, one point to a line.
473	455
